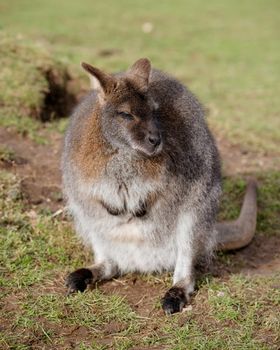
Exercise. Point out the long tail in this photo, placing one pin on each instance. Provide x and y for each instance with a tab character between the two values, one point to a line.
239	233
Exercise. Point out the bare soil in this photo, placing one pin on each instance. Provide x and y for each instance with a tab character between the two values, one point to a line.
37	167
237	159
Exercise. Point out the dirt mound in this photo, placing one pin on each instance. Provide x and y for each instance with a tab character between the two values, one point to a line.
32	82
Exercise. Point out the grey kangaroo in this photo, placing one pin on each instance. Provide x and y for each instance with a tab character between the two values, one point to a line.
142	178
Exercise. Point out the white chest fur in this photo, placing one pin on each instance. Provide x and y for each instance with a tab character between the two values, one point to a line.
135	244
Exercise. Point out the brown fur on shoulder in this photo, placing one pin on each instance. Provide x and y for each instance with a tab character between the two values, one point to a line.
92	152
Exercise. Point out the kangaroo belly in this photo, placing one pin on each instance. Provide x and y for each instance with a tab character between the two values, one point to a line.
138	255
134	244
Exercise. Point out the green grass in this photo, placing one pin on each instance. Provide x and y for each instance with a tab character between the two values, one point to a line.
228	52
268	220
37	251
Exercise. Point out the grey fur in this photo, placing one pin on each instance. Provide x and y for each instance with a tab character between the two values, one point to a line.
187	186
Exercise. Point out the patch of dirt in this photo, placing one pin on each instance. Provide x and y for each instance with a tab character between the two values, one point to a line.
142	296
38	168
114	327
72	334
261	257
240	160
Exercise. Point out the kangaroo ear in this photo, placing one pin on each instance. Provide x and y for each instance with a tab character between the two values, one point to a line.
139	73
100	81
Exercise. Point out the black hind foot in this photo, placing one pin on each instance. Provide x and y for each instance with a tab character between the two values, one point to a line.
174	300
78	280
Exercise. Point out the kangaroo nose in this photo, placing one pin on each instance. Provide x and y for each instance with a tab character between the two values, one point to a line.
154	139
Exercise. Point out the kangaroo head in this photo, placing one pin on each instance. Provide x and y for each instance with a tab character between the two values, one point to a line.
127	112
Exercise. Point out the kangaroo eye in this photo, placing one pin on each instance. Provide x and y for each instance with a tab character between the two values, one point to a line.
126	115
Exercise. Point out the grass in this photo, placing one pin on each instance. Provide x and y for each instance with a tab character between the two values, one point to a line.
37	251
268	201
227	52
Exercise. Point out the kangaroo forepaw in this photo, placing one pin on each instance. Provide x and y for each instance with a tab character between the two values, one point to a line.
78	280
174	300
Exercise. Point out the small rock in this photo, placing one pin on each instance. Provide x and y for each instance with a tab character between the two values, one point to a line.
187	308
147	27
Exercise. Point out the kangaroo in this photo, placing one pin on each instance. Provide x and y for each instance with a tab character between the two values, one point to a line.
142	178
